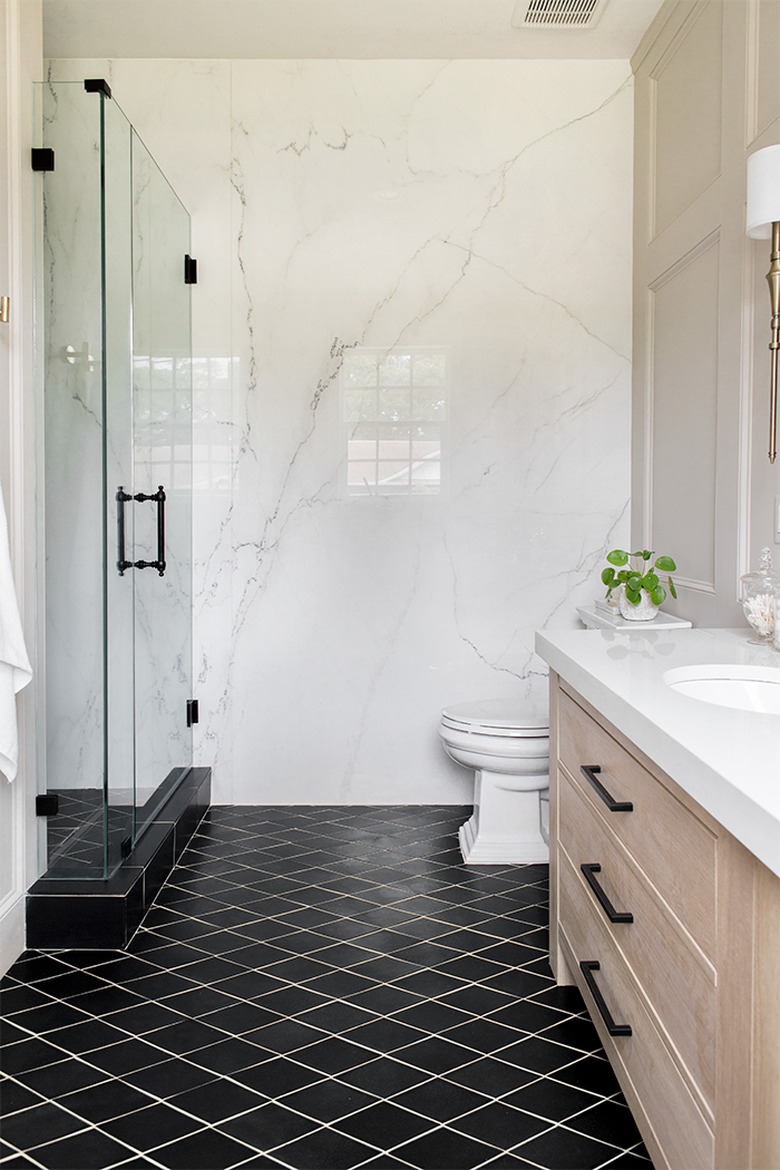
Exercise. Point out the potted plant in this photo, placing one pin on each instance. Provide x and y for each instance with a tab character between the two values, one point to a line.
641	591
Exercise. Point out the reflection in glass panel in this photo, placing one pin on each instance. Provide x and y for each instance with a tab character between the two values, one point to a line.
358	404
429	404
213	378
395	369
362	473
426	474
394	404
430	368
360	368
393	476
393	409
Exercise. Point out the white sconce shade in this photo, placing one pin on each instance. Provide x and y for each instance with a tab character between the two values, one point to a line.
763	192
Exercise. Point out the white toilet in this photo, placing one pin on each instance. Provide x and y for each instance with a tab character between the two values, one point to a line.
507	742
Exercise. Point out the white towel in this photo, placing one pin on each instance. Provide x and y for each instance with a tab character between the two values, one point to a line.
15	669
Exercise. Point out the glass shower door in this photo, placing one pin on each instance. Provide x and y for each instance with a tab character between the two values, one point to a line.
118	514
116	475
162	443
85	281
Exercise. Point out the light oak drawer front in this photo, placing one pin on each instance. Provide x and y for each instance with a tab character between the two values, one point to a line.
677	979
658	827
644	1065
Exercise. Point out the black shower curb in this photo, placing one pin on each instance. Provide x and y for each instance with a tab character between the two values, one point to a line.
104	915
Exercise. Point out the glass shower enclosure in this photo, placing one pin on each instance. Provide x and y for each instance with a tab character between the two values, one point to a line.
114	319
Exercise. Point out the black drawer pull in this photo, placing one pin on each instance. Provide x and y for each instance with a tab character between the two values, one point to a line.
612	914
588	966
590	771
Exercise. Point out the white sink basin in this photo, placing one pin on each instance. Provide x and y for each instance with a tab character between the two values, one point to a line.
746	688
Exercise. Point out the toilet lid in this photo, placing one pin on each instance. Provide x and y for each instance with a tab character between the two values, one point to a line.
508	717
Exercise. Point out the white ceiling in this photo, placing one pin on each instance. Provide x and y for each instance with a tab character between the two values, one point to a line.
361	29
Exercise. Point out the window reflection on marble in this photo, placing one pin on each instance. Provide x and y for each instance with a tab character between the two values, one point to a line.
213	378
162	421
164	411
393	407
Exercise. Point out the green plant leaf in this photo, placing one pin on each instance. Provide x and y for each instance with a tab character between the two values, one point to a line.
646	554
608	576
617	557
665	564
672	589
649	582
632	598
658	595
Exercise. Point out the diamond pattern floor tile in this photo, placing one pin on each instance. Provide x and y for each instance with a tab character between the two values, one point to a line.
320	988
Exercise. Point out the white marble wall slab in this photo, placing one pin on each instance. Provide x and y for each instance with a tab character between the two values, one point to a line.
483	207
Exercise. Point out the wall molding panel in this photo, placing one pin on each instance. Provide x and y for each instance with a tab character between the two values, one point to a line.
684	392
762	70
686	153
700	305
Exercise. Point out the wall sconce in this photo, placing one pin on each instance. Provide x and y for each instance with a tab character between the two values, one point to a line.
763	222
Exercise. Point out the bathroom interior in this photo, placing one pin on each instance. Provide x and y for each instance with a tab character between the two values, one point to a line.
465	305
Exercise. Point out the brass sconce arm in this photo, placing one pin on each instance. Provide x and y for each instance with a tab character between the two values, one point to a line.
762	222
773	280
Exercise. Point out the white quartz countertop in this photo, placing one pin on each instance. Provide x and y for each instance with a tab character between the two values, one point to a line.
726	759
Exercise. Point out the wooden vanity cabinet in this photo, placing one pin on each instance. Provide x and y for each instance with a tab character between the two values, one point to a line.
671	930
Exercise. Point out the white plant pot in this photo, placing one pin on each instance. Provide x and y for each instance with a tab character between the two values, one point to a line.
644	611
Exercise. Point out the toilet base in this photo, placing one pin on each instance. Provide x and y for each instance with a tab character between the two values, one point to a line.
499	850
506	827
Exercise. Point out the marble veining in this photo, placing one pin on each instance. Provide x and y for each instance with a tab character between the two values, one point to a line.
481	208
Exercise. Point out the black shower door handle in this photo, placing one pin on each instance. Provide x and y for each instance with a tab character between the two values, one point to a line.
122	498
157	497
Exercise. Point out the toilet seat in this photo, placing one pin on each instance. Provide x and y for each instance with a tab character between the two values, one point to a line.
509	718
507	743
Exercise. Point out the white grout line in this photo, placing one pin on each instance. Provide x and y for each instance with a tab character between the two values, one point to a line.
349	894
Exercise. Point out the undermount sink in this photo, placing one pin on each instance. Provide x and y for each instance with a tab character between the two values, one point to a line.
745	688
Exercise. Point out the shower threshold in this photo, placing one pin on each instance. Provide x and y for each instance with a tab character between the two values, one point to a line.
80	914
75	838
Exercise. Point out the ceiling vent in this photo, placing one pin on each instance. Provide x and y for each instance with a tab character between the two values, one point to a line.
557	14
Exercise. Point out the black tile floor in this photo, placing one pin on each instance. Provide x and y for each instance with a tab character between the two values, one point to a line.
314	988
74	837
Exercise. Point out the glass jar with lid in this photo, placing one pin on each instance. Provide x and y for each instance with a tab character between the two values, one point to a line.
759	599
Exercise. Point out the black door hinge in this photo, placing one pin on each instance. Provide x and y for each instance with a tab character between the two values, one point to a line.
47	804
192	712
190	270
42	158
97	85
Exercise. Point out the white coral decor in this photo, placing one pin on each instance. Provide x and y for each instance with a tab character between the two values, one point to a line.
760	612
